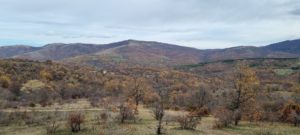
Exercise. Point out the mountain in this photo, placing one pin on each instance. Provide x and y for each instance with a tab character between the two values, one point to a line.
285	49
146	53
60	51
142	53
10	51
290	47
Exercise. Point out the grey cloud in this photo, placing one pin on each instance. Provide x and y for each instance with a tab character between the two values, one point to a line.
213	21
296	11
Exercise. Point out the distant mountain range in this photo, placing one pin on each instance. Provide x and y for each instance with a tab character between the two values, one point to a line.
146	53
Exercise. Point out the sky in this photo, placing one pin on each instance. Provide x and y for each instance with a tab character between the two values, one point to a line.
201	24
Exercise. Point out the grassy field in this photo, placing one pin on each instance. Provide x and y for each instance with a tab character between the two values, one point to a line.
144	125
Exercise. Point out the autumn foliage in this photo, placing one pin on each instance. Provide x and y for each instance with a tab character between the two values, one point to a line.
75	120
291	113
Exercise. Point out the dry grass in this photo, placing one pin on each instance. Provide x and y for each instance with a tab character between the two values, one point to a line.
145	125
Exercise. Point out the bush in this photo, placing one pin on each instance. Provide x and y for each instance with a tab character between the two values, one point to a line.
52	123
31	104
29	118
188	121
127	112
170	118
75	120
5	81
4	118
291	113
224	118
102	118
203	111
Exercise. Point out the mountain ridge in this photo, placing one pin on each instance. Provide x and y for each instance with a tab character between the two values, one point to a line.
146	53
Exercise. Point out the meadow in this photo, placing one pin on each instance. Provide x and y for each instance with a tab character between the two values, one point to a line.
145	124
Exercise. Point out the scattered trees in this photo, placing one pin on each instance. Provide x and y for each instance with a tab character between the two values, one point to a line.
23	83
201	97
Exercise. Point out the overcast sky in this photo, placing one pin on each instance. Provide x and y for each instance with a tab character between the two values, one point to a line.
195	23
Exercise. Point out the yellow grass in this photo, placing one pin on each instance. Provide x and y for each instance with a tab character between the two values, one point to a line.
145	125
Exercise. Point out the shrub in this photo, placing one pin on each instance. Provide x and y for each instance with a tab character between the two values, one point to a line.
75	120
291	113
31	104
29	118
188	121
52	123
224	118
4	118
5	81
102	118
203	111
94	102
170	118
127	112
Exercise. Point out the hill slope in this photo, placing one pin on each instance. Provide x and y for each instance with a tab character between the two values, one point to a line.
60	51
10	51
141	53
146	53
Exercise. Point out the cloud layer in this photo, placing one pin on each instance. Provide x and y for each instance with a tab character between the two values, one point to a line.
195	23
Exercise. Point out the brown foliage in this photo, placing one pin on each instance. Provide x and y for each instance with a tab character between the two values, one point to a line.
127	112
245	84
75	120
291	113
5	81
199	112
224	118
188	121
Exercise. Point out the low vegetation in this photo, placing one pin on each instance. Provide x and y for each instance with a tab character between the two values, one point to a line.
233	97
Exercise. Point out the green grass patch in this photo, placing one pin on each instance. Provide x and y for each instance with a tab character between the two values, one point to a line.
117	58
283	72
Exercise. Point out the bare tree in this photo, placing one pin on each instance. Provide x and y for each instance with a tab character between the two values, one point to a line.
159	113
161	85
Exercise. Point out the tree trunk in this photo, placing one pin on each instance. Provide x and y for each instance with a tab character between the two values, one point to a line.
136	102
159	128
122	119
236	122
